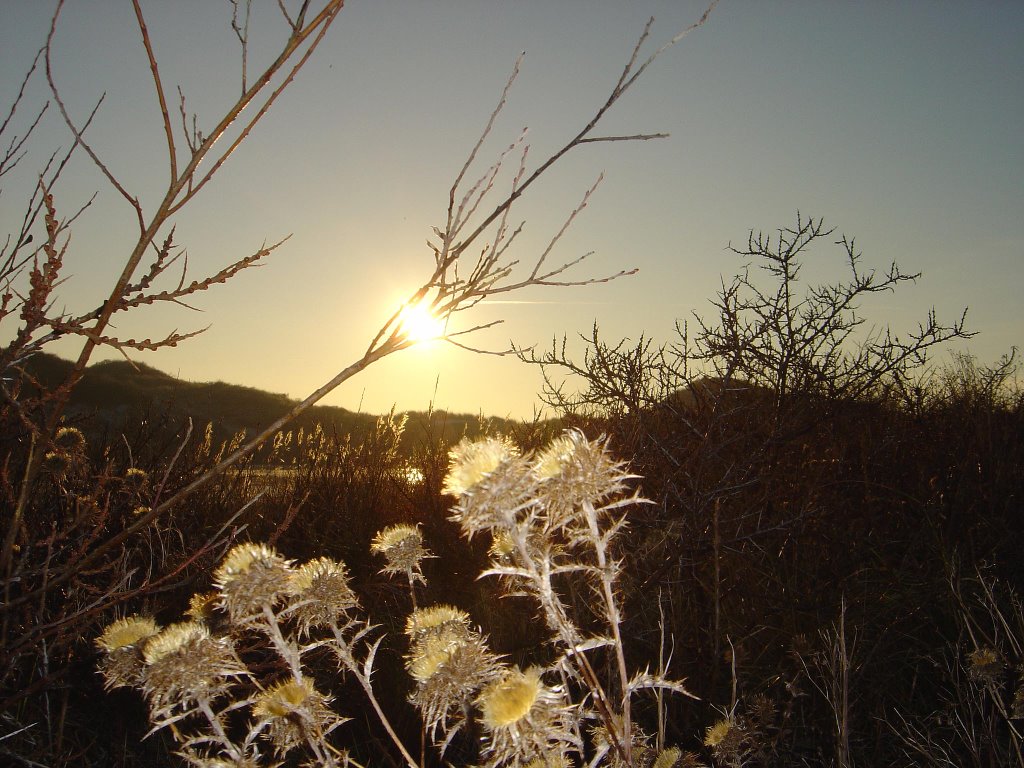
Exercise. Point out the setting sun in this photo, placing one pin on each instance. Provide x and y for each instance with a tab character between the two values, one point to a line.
418	324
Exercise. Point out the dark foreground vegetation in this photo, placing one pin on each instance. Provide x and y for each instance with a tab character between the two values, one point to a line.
831	555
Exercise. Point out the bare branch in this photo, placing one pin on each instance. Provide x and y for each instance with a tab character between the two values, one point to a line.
168	132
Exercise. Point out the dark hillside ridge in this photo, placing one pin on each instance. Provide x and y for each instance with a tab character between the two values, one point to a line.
115	394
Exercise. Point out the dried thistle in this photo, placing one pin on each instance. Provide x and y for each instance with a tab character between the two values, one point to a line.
576	473
293	713
122	640
130	631
525	720
449	673
402	547
251	576
69	440
472	461
725	739
135	483
499	500
185	665
425	620
323	593
202	606
668	758
985	665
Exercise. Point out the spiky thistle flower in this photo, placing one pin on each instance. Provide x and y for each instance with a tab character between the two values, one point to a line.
293	712
717	734
135	483
202	606
471	461
985	665
323	592
525	719
121	642
449	661
129	631
499	500
552	460
67	460
572	472
435	633
136	476
425	620
251	576
502	548
668	758
402	547
728	741
69	440
185	664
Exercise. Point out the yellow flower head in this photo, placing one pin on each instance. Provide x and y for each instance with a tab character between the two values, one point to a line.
241	558
508	700
202	606
69	439
717	733
985	664
303	577
291	711
552	460
323	593
284	698
127	632
173	639
433	652
136	475
471	462
667	758
424	619
402	547
393	537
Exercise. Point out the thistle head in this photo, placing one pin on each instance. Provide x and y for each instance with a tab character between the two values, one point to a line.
121	642
509	700
69	440
985	665
423	621
184	664
726	740
572	472
525	719
291	711
668	758
250	577
322	592
130	631
472	461
202	607
402	547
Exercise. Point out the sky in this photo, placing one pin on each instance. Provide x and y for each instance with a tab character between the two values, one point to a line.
899	123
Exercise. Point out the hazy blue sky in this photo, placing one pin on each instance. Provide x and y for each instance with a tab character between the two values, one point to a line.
899	122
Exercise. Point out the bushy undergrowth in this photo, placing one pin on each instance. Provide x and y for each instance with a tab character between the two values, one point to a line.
835	580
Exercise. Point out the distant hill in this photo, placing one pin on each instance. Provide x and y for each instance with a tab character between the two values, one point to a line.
113	394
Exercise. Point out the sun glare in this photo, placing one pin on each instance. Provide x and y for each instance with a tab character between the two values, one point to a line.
418	324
